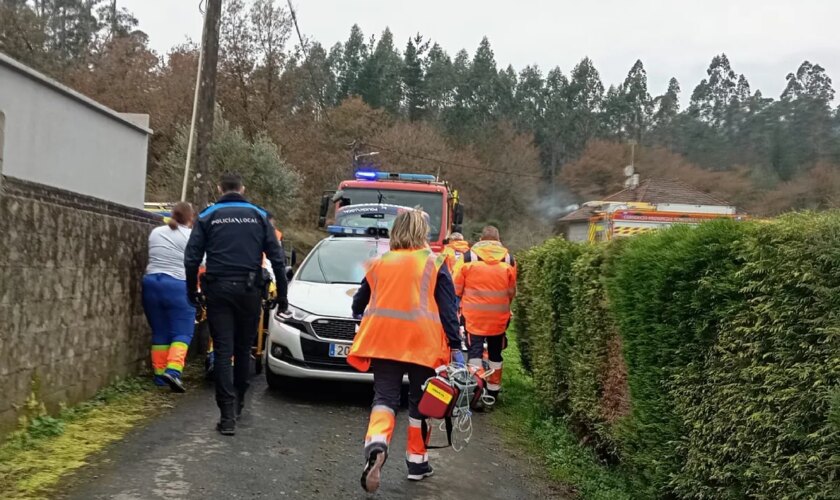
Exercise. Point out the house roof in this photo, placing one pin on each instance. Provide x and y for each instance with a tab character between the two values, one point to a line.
654	191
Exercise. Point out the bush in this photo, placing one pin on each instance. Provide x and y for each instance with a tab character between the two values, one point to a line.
669	292
548	318
729	334
763	427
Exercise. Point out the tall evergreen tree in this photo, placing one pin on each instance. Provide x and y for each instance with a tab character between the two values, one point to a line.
667	106
412	77
354	53
380	82
639	102
530	101
585	95
439	83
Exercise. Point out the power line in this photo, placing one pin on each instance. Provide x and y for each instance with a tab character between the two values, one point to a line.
452	163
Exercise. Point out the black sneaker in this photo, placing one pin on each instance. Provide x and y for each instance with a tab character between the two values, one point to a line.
372	475
174	382
419	472
226	428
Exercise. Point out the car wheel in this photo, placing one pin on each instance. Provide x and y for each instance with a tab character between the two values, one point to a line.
275	381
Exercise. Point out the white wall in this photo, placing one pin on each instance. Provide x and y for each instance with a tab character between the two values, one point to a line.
57	137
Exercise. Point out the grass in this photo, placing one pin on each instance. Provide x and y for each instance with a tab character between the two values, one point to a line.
34	459
548	438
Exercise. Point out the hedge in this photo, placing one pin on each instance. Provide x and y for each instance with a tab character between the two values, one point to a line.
705	361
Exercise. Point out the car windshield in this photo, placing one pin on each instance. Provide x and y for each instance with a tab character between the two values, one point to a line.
430	202
341	260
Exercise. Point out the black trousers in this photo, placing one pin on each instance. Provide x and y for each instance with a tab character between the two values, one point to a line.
387	384
233	313
495	345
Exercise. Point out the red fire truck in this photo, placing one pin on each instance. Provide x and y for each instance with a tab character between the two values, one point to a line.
435	197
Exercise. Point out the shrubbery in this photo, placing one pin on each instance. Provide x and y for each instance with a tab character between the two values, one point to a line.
729	337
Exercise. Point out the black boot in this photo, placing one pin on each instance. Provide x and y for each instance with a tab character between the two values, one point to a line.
227	422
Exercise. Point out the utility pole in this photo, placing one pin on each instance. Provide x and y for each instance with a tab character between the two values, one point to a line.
206	102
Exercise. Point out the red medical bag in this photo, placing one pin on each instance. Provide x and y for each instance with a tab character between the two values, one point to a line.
439	398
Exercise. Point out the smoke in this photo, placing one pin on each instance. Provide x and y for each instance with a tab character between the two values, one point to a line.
554	206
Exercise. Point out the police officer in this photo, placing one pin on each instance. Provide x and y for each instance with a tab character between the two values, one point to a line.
234	234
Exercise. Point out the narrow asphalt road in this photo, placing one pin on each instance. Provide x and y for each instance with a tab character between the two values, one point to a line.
305	442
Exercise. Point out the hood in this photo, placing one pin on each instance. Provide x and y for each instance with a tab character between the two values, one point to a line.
322	299
459	246
491	252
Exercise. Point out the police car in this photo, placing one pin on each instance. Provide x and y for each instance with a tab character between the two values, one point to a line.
312	339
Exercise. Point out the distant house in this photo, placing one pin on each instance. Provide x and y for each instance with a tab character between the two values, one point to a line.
653	204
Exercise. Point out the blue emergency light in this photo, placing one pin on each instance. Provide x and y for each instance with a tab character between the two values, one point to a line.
372	175
344	230
381	232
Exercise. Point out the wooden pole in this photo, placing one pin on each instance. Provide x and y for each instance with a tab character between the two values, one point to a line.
202	184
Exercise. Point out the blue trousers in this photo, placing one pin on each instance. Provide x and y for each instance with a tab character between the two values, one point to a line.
172	319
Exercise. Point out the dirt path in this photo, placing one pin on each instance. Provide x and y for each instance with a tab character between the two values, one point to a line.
304	443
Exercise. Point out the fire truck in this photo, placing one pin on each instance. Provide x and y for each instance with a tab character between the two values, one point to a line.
622	219
435	197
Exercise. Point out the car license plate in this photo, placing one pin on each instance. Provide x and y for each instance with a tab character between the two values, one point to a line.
339	350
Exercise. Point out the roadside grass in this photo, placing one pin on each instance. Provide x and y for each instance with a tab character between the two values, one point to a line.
34	459
549	440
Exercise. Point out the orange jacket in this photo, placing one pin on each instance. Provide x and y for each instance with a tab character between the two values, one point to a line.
402	321
454	253
486	284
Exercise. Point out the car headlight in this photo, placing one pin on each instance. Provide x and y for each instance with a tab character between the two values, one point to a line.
294	316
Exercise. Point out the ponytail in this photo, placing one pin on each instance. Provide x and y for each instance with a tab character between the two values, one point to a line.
173	224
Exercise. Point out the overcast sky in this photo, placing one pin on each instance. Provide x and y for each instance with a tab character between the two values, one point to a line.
764	39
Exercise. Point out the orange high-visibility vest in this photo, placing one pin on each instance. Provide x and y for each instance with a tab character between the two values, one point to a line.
402	321
454	253
486	284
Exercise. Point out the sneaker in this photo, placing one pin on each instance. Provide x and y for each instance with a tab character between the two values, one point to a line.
226	428
372	475
174	382
419	472
159	381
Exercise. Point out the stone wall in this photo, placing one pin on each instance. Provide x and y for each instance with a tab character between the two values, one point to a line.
71	316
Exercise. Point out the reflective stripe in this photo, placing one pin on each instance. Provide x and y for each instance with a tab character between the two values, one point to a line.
378	438
426	282
493	387
383	408
401	315
502	308
414	458
496	365
472	292
231	204
414	422
475	362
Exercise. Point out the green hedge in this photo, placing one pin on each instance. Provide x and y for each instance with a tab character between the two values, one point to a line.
730	349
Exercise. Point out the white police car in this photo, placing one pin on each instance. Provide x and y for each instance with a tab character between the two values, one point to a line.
313	339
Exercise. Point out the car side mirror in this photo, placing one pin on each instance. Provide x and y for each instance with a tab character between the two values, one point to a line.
290	273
